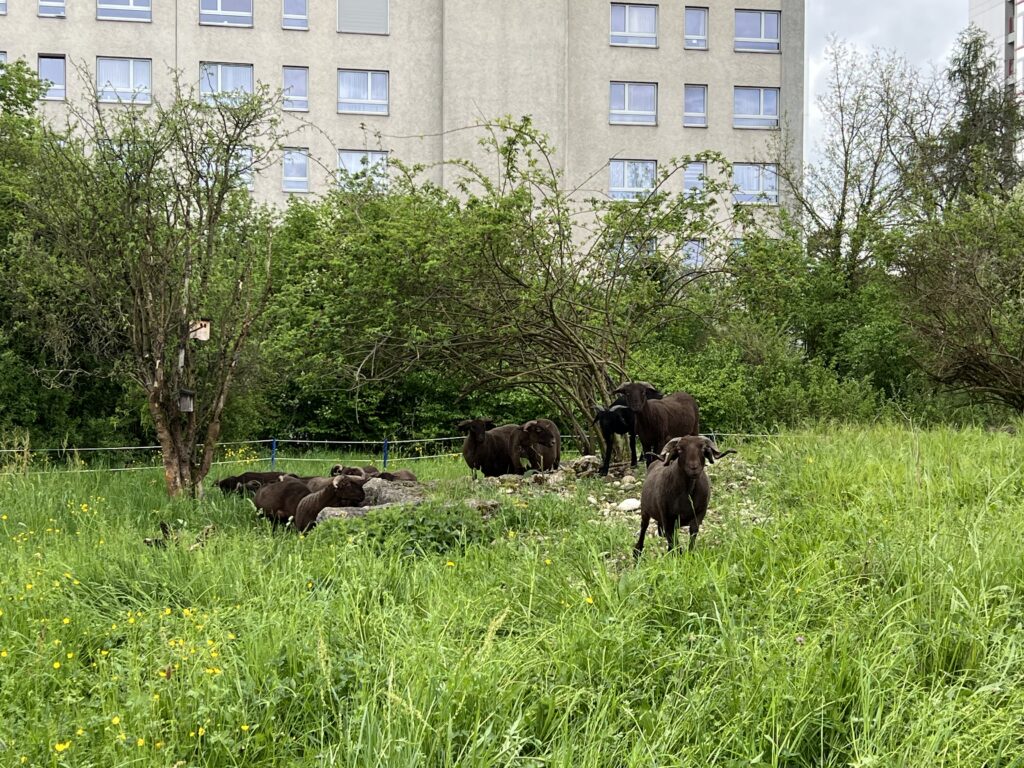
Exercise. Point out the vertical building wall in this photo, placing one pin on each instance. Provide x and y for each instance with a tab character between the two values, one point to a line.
453	64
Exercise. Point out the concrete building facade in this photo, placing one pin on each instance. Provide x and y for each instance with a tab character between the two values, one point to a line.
1003	22
618	87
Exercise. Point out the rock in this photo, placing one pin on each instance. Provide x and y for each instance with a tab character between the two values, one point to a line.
628	505
592	501
485	506
586	466
628	479
380	492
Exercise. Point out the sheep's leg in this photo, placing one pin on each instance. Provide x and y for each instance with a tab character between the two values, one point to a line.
670	531
694	529
639	547
632	449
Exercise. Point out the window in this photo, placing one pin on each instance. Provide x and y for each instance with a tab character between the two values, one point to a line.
232	13
637	248
296	170
635	103
757	31
295	14
695	106
51	7
51	68
628	179
634	25
362	91
693	178
755	183
3	10
219	79
755	108
697	28
124	80
365	17
693	253
355	161
243	162
296	89
124	10
3	57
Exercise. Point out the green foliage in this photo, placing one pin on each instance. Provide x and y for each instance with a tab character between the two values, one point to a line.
854	599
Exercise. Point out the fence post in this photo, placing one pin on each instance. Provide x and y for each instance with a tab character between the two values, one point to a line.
273	453
385	453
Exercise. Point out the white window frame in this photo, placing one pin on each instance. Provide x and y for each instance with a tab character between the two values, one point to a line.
62	86
59	9
349	31
107	11
760	44
695	119
629	193
219	92
698	46
701	170
693	252
299	183
620	116
132	96
208	21
386	103
762	119
285	17
303	101
3	9
652	38
376	159
761	195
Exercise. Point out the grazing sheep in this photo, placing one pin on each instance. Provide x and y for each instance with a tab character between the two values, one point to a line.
618	419
659	420
493	450
292	500
677	494
541	444
250	482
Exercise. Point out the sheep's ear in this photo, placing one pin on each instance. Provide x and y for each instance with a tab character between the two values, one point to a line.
488	424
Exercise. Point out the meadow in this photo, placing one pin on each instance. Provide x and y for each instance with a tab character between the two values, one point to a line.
855	599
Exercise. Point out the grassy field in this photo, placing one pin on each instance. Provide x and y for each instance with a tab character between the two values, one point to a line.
856	598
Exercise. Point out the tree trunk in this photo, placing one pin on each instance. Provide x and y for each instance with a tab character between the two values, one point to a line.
177	467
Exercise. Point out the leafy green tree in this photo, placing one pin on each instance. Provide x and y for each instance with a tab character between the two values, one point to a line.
142	227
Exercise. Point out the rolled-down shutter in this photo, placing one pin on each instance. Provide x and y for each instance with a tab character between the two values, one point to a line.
369	17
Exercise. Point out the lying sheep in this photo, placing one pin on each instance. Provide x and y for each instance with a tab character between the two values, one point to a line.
618	419
250	482
541	444
292	500
677	494
492	450
368	471
659	420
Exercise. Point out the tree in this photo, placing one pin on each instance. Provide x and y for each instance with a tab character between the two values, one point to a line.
142	227
963	281
511	283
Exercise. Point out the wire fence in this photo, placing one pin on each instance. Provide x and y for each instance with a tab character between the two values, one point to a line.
147	457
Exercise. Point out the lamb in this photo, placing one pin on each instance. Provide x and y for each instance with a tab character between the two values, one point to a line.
657	421
493	450
292	500
250	482
541	444
677	494
618	419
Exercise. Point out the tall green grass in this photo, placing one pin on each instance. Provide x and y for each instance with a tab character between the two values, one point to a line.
855	599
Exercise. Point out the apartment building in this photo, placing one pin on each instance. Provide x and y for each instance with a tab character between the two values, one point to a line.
619	87
1003	21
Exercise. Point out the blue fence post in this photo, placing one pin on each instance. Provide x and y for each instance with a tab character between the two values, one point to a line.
273	453
385	453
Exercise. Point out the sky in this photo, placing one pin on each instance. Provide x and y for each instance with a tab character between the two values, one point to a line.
922	30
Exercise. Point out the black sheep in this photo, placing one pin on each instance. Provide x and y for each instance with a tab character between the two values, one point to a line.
493	450
618	419
659	420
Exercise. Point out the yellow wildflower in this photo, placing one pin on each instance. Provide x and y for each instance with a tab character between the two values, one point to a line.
449	564
589	599
60	746
115	720
66	620
56	665
244	727
140	742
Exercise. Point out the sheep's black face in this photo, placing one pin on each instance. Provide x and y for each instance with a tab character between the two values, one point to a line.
689	452
476	428
635	394
348	492
541	436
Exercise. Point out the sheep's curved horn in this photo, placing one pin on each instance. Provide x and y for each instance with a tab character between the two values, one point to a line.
711	451
619	408
645	384
530	423
668	452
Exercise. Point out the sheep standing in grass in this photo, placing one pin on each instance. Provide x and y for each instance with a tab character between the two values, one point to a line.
677	489
657	421
493	450
618	419
542	444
